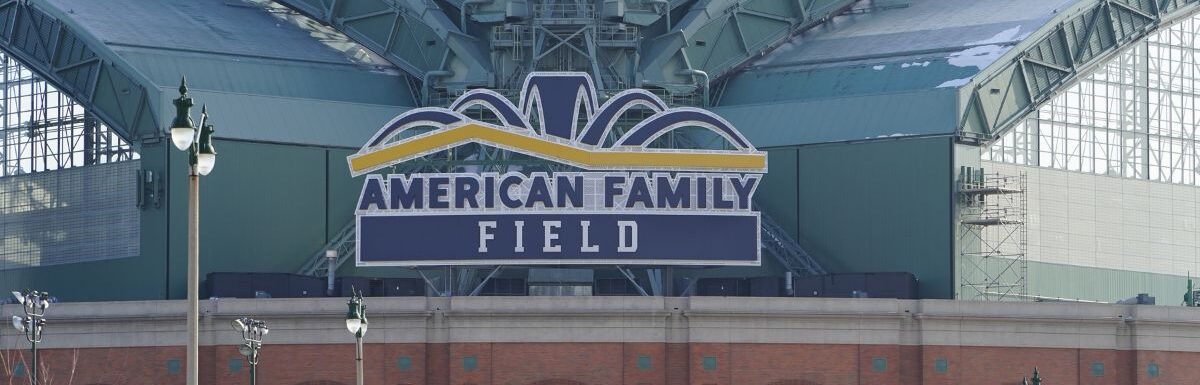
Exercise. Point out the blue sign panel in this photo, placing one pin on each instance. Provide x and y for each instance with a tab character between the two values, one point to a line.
631	200
410	240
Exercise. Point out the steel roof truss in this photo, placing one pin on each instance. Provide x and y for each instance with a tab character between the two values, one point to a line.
1046	63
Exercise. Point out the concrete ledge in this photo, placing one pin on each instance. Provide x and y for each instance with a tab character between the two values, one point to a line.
634	320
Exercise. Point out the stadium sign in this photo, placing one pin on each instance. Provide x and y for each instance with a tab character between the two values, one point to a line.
632	203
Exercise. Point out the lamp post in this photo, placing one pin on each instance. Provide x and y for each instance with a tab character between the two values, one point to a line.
356	322
252	333
201	159
35	304
1037	378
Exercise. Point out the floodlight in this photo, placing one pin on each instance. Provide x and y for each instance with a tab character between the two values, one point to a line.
245	349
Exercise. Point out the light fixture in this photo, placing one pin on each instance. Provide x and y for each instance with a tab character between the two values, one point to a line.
353	324
245	349
183	131
34	303
205	163
356	323
206	157
252	334
182	137
201	159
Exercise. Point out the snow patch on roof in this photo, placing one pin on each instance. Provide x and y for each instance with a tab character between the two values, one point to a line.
979	56
955	83
985	52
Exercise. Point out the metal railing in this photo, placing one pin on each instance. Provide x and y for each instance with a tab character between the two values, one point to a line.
616	33
564	11
512	34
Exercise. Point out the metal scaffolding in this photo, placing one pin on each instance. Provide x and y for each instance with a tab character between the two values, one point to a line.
992	236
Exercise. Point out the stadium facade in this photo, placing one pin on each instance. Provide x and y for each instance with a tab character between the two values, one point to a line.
1009	151
1025	149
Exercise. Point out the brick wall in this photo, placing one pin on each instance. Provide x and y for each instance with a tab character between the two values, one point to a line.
611	363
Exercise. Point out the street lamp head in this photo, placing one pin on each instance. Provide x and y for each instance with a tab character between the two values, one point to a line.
239	325
206	158
356	318
183	130
182	137
205	163
20	297
18	323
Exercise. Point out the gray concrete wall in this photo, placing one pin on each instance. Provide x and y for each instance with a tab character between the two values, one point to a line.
1102	238
633	319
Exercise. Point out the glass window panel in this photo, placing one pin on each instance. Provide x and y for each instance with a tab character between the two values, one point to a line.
1135	116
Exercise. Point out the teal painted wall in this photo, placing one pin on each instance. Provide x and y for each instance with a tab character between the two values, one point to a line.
881	205
776	192
965	156
264	208
874	206
138	277
857	207
1105	285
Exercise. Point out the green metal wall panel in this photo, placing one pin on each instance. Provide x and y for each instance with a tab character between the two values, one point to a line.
342	191
262	209
1106	285
176	195
776	193
965	156
138	277
878	206
265	209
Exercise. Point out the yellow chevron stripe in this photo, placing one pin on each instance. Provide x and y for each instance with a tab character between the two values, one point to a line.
413	148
